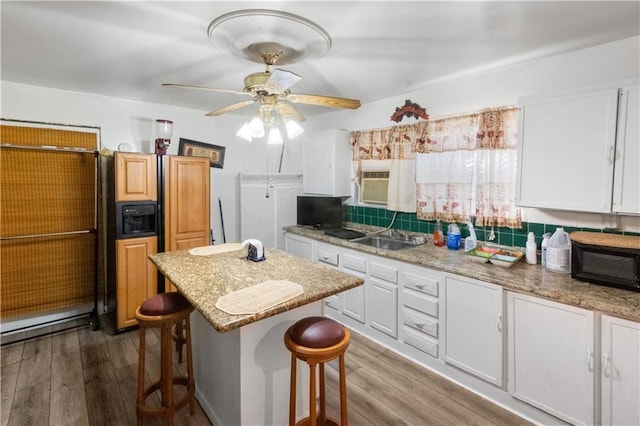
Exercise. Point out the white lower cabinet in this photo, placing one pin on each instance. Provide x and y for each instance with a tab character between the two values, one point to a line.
353	301
382	298
473	318
620	371
551	357
330	256
300	246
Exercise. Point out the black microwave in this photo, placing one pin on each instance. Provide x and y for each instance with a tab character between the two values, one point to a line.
615	266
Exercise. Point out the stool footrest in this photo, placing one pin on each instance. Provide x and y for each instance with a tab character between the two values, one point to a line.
328	422
148	410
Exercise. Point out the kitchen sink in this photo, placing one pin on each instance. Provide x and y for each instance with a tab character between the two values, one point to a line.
383	242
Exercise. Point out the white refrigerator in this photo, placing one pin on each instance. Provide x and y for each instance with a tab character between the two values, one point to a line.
267	204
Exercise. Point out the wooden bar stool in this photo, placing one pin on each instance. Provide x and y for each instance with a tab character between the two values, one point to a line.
164	311
317	340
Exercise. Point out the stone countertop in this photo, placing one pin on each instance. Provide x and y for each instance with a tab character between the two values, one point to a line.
203	279
521	277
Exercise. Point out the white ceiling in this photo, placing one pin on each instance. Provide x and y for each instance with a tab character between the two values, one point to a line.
379	49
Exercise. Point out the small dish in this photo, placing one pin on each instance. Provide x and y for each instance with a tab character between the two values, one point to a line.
478	255
506	258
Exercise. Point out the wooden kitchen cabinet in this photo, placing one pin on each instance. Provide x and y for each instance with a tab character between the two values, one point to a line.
326	163
626	189
473	318
136	278
187	204
136	177
551	357
620	371
566	151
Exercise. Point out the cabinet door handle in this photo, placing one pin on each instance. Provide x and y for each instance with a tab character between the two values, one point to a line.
589	360
605	365
499	323
612	154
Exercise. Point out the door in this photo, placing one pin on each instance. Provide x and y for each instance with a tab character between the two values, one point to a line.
551	360
473	328
551	131
620	371
136	177
626	195
136	277
187	204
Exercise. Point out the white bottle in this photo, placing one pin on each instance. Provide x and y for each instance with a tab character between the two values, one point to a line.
531	256
543	249
559	252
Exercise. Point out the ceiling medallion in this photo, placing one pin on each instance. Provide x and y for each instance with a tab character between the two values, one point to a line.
252	33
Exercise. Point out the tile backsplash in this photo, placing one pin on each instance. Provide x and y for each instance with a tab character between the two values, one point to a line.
409	222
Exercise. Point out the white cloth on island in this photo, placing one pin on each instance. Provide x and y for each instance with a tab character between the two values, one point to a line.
209	250
258	297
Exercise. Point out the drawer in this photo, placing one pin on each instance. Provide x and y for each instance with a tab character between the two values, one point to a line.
332	302
354	263
420	302
422	283
419	322
329	257
420	341
386	273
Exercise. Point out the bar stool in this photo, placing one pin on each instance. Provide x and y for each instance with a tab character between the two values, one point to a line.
164	311
317	340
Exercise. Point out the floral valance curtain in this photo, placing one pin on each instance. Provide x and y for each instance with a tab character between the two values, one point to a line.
467	167
453	167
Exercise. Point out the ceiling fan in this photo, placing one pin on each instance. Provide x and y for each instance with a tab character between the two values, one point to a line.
271	89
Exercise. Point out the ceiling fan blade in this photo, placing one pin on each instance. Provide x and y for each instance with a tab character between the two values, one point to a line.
211	89
229	108
287	111
328	101
281	80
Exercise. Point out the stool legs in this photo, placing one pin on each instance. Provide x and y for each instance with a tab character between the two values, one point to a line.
292	391
167	378
343	393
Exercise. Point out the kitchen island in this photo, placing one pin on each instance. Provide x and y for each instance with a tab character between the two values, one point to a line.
241	366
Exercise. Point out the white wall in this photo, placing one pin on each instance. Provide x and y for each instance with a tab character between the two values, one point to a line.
131	121
617	61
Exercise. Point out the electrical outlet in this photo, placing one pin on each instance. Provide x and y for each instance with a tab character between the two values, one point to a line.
610	221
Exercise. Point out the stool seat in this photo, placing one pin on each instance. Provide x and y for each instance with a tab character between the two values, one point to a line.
316	340
165	311
316	332
164	304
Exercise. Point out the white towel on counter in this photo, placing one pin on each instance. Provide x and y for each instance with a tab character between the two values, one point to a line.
259	297
209	250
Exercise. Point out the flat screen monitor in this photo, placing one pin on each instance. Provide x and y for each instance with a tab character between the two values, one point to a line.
320	212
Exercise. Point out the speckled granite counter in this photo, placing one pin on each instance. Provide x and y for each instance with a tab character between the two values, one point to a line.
203	279
521	277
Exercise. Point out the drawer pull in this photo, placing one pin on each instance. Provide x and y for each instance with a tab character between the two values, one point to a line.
419	324
328	303
419	285
605	367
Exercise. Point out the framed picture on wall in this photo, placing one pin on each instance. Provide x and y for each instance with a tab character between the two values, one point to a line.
214	153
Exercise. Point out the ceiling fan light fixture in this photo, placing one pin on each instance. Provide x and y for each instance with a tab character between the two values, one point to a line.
293	129
256	127
275	138
245	132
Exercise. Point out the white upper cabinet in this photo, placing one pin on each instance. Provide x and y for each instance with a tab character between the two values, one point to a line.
327	163
566	151
626	190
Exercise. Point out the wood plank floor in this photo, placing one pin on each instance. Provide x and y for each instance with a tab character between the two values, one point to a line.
86	377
